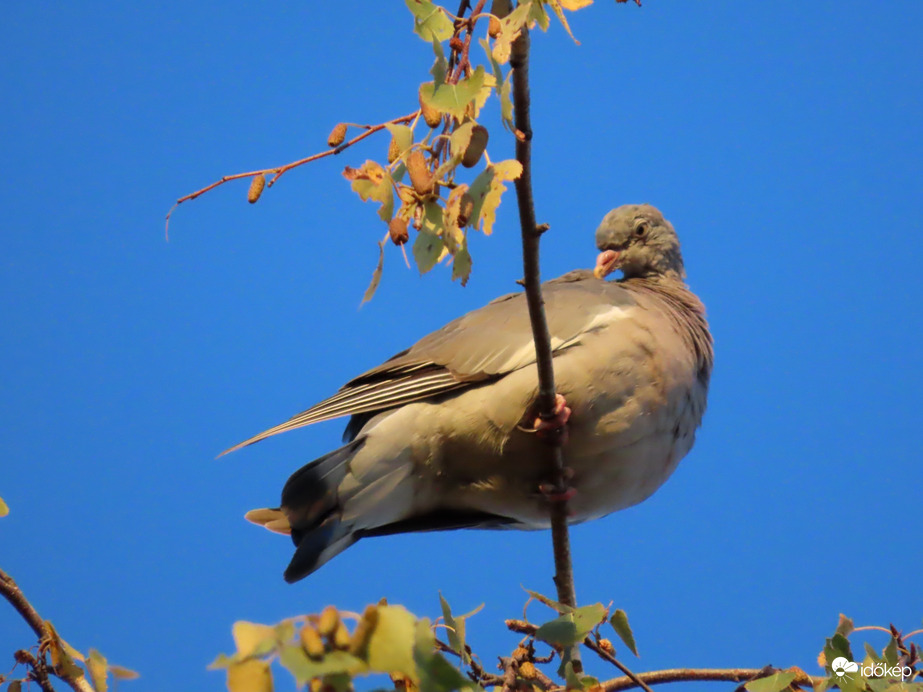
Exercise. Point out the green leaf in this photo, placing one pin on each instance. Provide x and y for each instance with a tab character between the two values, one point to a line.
619	622
454	98
296	661
253	639
487	189
427	249
824	685
570	677
503	90
436	674
63	654
837	646
403	135
391	645
845	626
460	139
510	28
554	605
429	21
540	16
771	683
571	628
4	510
376	275
98	668
441	66
372	182
871	654
461	269
455	629
889	654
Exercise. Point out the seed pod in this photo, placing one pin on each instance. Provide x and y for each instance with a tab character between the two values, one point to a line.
394	150
256	188
311	642
606	646
498	10
329	619
420	176
430	114
397	229
465	209
527	670
341	637
366	626
476	146
337	135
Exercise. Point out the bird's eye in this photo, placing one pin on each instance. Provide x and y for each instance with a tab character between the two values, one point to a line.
640	229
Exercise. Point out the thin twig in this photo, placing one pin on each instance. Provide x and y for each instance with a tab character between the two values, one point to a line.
606	656
278	171
12	593
564	574
659	677
38	670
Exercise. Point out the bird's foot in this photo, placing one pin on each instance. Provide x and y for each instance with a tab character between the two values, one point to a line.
556	425
553	493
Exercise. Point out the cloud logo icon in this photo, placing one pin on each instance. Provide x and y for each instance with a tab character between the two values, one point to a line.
841	666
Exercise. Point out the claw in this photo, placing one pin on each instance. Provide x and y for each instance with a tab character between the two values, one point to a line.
557	422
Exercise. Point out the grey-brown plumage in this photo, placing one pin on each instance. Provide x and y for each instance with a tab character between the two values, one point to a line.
438	436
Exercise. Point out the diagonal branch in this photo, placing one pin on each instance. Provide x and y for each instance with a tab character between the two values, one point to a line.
10	590
278	171
531	234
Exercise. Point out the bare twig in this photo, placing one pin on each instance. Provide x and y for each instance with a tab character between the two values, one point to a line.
564	575
38	669
659	677
12	593
278	171
606	656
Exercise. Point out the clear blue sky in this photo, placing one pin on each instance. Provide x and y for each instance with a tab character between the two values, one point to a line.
783	141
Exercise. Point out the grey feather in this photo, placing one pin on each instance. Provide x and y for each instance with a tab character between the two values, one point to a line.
436	437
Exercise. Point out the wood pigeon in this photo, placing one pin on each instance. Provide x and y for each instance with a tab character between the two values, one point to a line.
443	435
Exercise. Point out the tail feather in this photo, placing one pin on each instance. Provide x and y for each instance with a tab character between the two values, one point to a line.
311	492
318	545
312	507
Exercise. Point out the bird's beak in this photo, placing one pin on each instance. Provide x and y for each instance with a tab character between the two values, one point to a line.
606	263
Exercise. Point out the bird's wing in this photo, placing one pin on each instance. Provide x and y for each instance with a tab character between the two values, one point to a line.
480	346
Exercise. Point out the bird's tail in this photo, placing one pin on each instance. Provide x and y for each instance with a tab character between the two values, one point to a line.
311	512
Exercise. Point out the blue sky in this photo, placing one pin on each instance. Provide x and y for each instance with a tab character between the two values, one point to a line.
783	143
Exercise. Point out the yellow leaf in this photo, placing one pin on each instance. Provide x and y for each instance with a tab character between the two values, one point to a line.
250	676
121	673
376	275
574	5
556	5
508	170
250	637
4	509
99	670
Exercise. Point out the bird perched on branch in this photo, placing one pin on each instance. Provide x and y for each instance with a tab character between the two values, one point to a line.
445	435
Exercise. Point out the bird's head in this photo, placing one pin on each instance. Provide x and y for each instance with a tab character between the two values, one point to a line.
638	240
